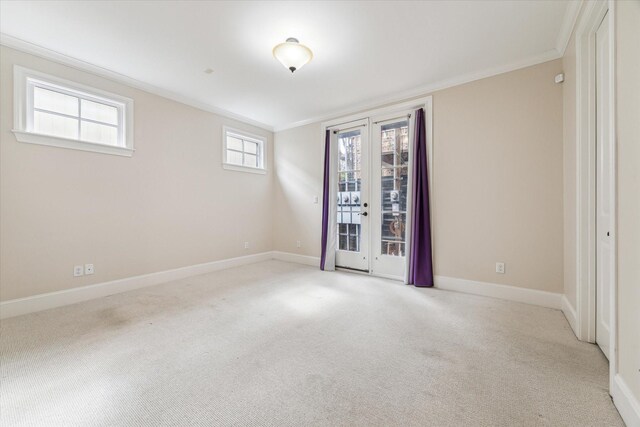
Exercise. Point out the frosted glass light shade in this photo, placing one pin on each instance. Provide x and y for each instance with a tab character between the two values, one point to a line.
292	54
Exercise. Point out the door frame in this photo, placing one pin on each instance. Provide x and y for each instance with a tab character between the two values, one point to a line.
427	104
585	325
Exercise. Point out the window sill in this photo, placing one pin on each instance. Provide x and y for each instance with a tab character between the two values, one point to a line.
54	141
237	168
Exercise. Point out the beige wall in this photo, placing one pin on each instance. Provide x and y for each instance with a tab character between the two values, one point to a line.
498	183
628	236
170	205
298	174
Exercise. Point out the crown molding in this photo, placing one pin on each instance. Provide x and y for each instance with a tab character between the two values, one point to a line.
568	24
51	55
422	91
33	49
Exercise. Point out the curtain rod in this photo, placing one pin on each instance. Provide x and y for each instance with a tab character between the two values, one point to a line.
408	116
395	118
351	127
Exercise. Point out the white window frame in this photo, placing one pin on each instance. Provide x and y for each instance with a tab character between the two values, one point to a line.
262	150
24	81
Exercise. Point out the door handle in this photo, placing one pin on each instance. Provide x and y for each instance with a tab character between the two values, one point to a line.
364	214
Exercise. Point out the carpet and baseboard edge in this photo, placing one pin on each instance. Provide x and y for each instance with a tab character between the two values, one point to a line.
20	306
626	403
32	304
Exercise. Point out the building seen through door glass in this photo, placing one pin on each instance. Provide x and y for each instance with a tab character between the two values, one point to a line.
349	185
395	160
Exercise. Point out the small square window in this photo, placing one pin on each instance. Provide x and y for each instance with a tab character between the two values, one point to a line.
243	151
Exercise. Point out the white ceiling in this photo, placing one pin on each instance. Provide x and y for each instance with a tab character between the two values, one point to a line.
364	52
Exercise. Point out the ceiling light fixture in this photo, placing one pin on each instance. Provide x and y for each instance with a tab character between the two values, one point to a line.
292	54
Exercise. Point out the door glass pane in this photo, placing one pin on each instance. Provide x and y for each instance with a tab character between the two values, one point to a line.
394	189
349	151
395	144
349	181
349	185
393	234
394	176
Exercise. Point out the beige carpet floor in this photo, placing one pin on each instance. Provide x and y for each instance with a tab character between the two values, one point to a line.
279	344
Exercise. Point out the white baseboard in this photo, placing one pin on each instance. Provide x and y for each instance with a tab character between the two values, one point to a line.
46	301
17	307
296	258
570	314
627	404
511	293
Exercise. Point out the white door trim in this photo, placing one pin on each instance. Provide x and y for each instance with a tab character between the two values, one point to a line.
592	16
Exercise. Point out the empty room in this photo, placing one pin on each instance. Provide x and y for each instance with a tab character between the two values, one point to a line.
320	213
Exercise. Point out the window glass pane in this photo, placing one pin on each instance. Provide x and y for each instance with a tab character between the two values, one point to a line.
99	112
52	124
54	101
234	143
250	147
234	157
251	160
102	134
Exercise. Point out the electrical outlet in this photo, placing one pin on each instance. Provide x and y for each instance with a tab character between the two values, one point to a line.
500	267
298	244
315	199
246	245
88	269
78	270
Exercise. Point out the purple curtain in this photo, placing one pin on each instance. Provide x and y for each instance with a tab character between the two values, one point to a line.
325	198
420	260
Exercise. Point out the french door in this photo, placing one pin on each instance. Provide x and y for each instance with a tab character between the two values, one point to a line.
373	194
352	243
